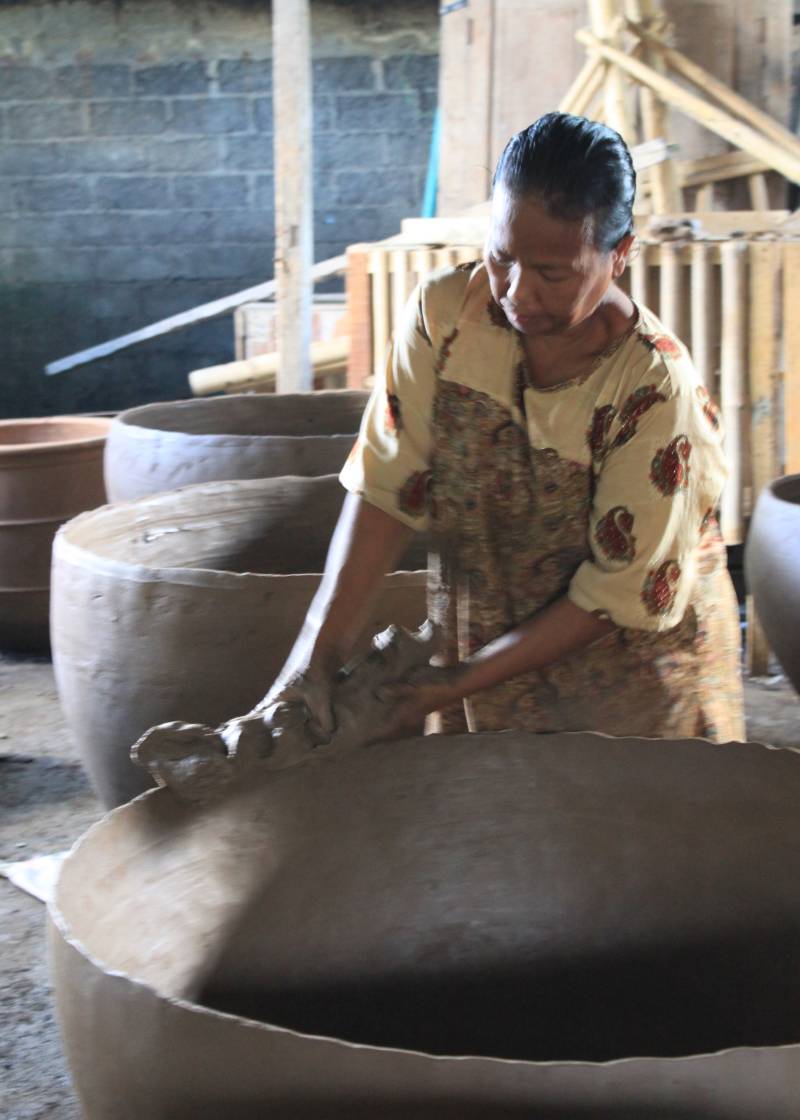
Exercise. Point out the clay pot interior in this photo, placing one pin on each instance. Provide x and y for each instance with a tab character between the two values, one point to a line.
324	413
552	898
60	429
265	533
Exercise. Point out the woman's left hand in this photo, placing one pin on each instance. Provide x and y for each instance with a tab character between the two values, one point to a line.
423	691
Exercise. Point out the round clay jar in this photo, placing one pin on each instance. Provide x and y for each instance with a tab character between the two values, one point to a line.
772	568
185	605
51	468
499	925
160	447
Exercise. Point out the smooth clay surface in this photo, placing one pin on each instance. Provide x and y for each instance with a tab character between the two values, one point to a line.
772	564
500	925
50	470
184	606
162	446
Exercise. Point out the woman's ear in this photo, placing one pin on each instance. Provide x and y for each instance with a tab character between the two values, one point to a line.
620	255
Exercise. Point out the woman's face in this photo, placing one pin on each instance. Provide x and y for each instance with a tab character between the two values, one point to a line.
545	272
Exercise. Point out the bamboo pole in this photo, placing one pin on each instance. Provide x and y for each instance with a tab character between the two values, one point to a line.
727	97
588	73
294	214
764	306
638	267
669	303
791	358
709	116
732	378
703	313
263	370
606	24
759	195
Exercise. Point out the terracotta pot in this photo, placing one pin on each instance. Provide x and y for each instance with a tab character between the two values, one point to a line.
772	567
50	470
184	606
497	925
162	446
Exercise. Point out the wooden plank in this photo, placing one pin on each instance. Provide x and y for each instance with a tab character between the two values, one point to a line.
764	309
732	382
716	120
213	310
465	100
359	314
791	359
294	212
714	169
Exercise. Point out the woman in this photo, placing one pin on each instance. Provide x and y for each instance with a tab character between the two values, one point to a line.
556	442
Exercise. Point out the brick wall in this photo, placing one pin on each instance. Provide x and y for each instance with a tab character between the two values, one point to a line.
136	175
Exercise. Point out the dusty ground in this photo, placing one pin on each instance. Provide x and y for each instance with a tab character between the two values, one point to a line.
46	803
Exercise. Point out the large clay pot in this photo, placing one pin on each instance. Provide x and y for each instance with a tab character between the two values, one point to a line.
184	606
772	567
50	469
162	446
497	925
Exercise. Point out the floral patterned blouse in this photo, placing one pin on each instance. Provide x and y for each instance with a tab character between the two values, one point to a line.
603	488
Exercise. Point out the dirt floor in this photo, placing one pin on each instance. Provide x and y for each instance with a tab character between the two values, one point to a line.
46	803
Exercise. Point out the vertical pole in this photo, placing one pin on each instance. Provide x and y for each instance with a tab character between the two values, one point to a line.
294	231
732	379
605	16
703	313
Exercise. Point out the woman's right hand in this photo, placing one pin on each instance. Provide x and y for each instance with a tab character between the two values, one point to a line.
313	687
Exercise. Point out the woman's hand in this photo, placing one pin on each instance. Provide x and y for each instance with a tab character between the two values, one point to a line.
426	690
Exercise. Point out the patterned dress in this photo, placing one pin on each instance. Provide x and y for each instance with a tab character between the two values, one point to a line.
603	488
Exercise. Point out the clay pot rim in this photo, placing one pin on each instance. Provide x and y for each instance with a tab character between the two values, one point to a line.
62	925
68	551
134	420
786	489
26	450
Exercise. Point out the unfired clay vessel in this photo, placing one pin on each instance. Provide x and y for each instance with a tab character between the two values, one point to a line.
772	566
501	925
51	468
162	446
185	606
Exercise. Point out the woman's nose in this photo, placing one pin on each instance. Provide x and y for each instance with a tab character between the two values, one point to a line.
522	291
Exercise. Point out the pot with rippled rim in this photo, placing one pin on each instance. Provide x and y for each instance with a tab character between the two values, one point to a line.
162	446
51	468
184	606
499	925
772	568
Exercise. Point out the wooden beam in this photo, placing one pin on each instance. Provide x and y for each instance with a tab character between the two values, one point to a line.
294	215
264	370
607	26
213	310
714	119
727	97
714	169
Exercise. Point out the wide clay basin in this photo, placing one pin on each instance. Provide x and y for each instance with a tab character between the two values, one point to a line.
162	446
51	468
496	925
772	568
184	606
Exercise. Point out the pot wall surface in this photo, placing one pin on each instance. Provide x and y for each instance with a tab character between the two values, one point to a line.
772	568
184	606
50	470
496	925
160	447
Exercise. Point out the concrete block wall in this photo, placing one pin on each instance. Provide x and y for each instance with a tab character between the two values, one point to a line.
136	174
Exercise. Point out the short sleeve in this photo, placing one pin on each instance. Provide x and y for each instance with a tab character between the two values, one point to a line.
659	481
389	465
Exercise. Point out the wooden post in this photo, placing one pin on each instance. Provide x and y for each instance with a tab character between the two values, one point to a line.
671	288
638	269
294	218
703	312
731	389
606	26
381	326
763	364
791	358
359	317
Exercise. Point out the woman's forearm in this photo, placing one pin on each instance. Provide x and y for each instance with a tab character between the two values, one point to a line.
553	633
366	544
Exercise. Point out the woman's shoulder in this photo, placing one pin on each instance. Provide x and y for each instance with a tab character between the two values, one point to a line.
654	356
450	295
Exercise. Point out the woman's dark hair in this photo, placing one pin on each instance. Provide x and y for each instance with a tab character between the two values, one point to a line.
577	169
